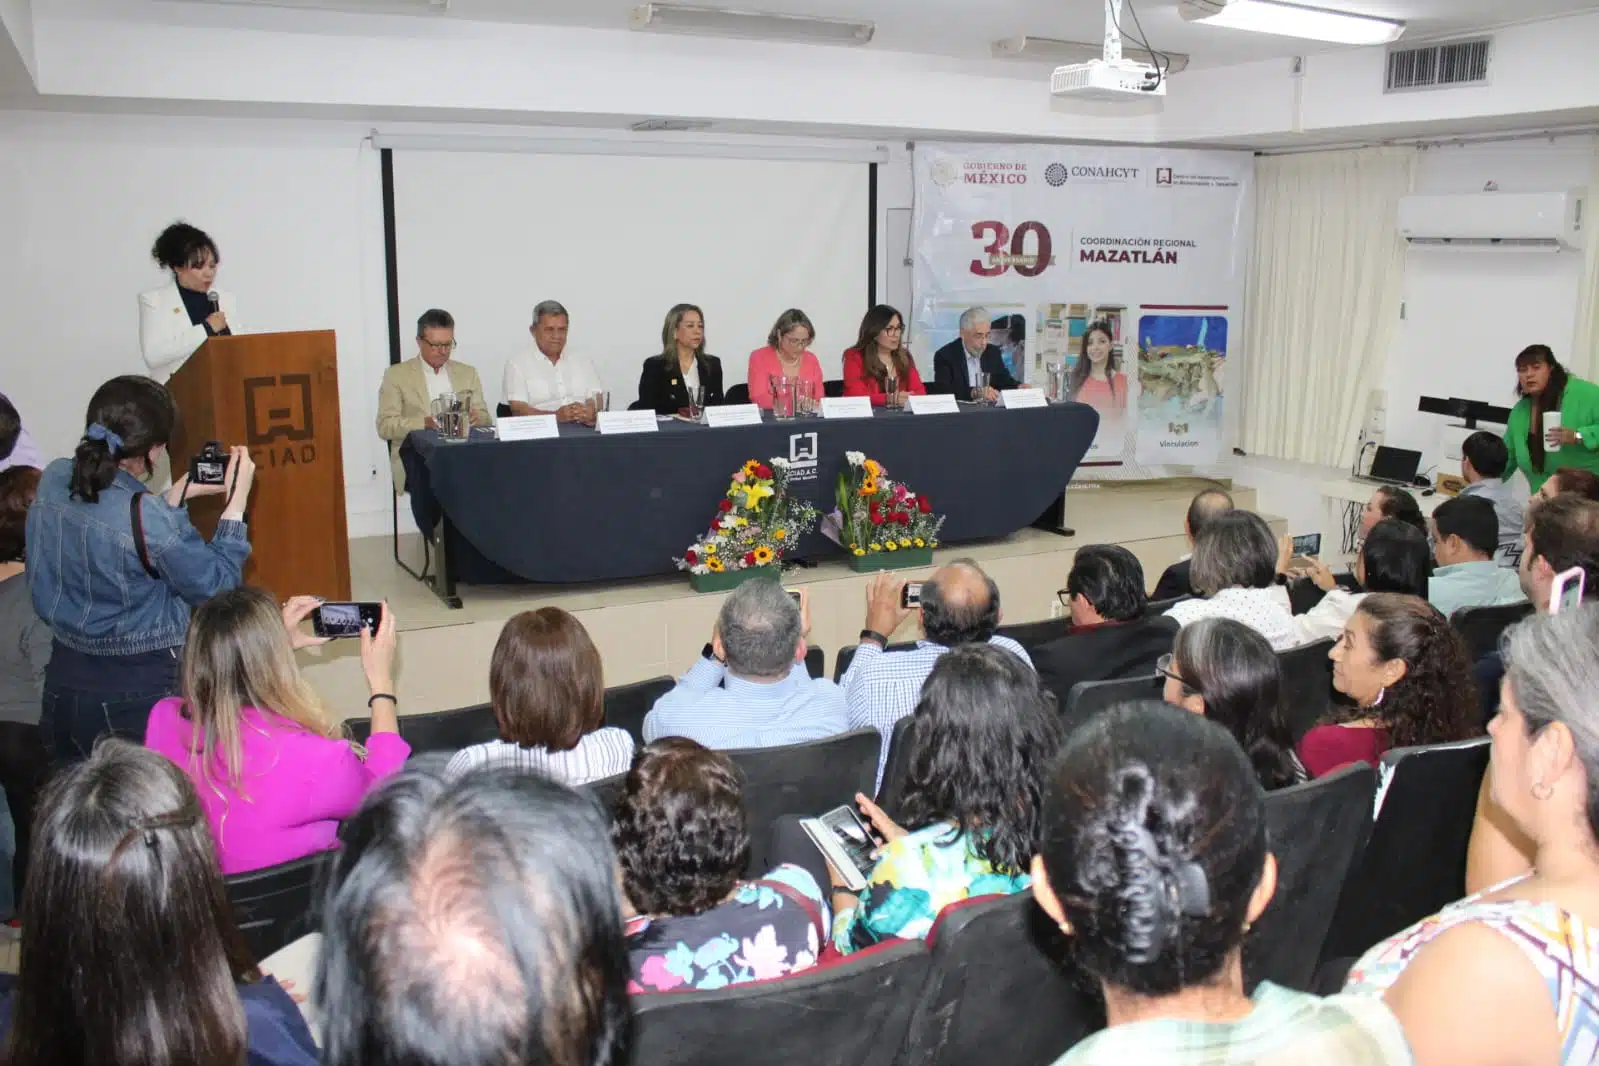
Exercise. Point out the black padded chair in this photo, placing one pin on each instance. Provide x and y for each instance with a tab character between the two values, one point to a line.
1317	831
1481	627
626	705
898	764
851	1013
1307	692
815	658
1031	634
606	791
739	393
1088	698
833	388
999	980
276	906
502	410
846	655
1415	861
1154	607
437	730
803	779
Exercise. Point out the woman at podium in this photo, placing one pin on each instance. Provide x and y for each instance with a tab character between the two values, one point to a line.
177	318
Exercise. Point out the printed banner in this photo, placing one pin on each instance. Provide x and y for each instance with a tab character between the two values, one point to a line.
1113	275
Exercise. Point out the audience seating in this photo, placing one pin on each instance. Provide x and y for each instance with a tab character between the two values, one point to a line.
276	906
1317	831
1031	634
815	661
1307	691
626	705
897	765
998	989
1481	627
803	779
739	393
437	730
850	1013
1158	607
1088	698
846	655
1415	861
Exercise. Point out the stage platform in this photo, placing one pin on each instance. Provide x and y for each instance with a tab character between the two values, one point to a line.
658	625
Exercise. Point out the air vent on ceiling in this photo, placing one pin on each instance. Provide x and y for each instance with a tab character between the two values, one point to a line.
668	125
1439	66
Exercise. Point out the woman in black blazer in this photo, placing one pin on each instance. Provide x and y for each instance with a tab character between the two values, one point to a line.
663	385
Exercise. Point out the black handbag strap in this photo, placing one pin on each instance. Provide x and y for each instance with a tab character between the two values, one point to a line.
136	513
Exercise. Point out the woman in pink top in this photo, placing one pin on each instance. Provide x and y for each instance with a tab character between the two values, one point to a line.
273	772
1096	376
786	355
1409	677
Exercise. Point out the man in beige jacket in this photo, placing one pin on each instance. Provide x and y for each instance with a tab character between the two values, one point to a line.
405	399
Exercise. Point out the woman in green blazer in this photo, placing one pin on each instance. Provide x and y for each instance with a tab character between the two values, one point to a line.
1544	386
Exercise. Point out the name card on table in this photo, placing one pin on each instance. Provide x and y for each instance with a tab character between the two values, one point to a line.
733	414
627	422
1015	399
528	427
939	404
847	407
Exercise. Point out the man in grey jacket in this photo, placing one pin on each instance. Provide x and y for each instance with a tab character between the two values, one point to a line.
1483	458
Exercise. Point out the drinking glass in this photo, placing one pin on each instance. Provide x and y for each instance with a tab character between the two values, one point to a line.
784	396
807	402
980	389
601	401
894	396
696	402
1057	381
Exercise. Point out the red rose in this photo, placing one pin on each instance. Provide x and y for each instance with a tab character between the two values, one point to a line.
904	518
725	506
690	558
923	506
763	471
749	558
877	518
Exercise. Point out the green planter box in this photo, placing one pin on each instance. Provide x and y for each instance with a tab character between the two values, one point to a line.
904	559
732	579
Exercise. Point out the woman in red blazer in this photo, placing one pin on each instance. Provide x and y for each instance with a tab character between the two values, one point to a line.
880	357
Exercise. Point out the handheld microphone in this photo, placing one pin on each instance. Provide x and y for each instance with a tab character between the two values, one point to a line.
216	300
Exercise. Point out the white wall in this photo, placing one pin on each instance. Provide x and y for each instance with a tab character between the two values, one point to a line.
1468	311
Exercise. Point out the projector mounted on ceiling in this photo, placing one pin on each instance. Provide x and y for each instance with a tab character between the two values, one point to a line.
1112	77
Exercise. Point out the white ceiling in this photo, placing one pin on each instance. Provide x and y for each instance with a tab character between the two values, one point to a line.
956	28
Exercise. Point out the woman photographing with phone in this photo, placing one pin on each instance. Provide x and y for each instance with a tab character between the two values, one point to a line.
1555	424
114	569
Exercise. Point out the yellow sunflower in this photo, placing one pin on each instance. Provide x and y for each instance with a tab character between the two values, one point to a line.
763	555
751	467
710	549
874	468
860	551
869	486
714	565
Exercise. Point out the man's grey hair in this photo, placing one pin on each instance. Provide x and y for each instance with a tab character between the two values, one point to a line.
549	309
761	629
973	315
1234	550
1552	664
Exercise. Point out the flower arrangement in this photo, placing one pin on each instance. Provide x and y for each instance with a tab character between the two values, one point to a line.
880	516
756	523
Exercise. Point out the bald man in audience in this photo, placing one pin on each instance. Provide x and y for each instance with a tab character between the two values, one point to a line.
959	605
1205	506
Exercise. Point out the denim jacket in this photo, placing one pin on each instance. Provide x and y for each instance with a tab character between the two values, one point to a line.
86	578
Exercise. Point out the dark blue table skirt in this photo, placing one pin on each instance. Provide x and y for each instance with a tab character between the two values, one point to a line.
585	507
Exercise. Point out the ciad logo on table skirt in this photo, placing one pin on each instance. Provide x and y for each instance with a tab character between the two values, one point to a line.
802	455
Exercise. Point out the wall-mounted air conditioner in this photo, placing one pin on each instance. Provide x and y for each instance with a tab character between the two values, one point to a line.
1516	220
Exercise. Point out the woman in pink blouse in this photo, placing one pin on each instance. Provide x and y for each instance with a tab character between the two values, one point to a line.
274	774
786	355
1096	377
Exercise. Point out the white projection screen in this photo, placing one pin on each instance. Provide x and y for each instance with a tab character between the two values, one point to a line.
618	240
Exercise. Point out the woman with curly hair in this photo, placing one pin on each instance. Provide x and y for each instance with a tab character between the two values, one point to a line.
683	841
1409	677
969	809
1154	861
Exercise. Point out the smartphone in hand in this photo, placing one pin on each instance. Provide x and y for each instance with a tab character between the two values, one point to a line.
346	619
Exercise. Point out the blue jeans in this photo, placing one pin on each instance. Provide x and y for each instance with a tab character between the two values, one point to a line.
73	719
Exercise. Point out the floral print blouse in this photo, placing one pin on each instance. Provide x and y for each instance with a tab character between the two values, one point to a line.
771	927
917	876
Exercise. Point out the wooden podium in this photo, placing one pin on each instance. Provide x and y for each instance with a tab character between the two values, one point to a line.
278	394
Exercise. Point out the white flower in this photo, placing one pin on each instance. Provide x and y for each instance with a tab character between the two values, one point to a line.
778	464
855	458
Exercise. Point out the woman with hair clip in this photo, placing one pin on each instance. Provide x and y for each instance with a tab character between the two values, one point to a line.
115	569
274	772
176	318
131	953
787	355
664	383
880	364
1227	672
1096	377
968	814
1155	863
1510	976
1407	674
1555	423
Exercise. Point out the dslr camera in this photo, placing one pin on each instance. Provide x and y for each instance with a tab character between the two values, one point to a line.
210	467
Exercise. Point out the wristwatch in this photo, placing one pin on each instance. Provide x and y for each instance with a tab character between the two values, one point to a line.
875	637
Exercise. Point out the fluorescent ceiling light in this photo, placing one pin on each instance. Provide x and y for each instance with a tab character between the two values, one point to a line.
1048	48
364	7
750	25
842	152
1292	20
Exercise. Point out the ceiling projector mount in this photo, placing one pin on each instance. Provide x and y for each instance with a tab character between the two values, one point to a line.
1112	77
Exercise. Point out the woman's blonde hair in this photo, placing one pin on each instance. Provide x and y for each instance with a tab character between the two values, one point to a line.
238	655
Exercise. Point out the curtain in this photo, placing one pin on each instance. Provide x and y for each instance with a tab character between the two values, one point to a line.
1584	359
1322	307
